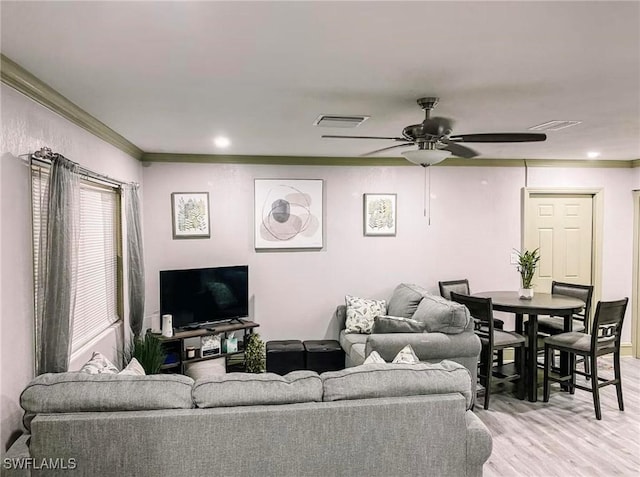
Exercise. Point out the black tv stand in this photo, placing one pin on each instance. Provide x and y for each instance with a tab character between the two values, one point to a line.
239	320
176	343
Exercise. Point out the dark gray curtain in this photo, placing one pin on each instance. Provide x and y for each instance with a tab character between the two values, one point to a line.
56	264
135	259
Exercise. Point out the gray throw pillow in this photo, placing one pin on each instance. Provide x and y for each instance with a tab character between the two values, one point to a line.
442	315
405	300
397	324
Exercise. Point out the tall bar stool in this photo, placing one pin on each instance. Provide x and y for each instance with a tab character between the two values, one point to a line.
554	325
492	339
462	287
604	339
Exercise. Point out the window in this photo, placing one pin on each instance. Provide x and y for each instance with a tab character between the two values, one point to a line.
97	266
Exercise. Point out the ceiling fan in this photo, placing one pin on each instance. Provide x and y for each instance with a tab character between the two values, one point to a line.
435	141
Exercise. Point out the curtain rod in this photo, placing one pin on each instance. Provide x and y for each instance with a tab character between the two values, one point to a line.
45	155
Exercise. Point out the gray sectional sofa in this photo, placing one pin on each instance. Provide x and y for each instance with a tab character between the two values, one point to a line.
449	331
371	420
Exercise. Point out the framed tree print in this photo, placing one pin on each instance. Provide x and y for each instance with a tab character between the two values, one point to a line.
190	215
379	214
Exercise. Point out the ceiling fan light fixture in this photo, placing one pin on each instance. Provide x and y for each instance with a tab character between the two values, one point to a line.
426	157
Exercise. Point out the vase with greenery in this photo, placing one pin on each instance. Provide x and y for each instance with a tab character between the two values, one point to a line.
148	351
527	265
254	354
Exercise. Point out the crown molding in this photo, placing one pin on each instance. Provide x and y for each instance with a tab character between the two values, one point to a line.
374	161
15	76
583	163
276	160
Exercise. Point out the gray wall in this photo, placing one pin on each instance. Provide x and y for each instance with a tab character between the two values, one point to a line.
27	126
475	223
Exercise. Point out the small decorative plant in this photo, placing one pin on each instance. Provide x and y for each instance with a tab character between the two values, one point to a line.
527	264
254	354
148	351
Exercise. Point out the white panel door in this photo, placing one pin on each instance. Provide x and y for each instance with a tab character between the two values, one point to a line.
561	226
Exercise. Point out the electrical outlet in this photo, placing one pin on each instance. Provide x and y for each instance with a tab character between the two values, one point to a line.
514	258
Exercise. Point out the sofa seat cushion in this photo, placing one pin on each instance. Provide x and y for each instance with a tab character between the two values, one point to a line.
405	300
394	380
442	315
246	389
347	340
82	392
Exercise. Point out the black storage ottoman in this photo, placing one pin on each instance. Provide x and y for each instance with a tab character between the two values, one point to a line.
284	356
324	355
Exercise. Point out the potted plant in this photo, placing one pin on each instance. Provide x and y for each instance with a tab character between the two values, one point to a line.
254	354
148	351
527	264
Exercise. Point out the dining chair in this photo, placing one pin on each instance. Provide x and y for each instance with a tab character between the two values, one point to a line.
604	339
458	286
554	325
493	339
462	287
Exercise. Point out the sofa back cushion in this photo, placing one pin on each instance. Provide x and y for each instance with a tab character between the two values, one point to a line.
394	380
244	389
405	300
442	315
82	392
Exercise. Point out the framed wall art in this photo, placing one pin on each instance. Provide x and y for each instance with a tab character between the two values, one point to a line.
288	214
190	215
379	216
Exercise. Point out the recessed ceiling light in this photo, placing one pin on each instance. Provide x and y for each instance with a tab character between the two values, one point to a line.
222	142
593	154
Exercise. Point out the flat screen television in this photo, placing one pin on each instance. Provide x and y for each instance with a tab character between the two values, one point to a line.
199	296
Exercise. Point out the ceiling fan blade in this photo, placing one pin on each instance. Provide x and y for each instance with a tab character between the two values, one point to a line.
499	137
329	136
387	148
457	149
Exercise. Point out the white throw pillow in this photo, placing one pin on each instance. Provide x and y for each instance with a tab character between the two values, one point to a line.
134	368
99	364
361	312
374	358
406	356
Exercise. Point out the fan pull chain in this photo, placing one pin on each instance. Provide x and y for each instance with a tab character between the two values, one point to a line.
427	194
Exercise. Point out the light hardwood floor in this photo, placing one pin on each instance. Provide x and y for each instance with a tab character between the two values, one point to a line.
563	437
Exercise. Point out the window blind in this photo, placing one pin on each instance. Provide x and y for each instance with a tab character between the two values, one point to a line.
96	267
96	306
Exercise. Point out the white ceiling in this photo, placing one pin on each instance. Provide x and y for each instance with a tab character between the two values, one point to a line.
169	76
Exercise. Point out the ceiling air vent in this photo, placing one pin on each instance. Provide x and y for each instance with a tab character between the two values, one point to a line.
334	121
554	125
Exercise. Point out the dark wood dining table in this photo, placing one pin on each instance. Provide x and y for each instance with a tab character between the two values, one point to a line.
540	304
